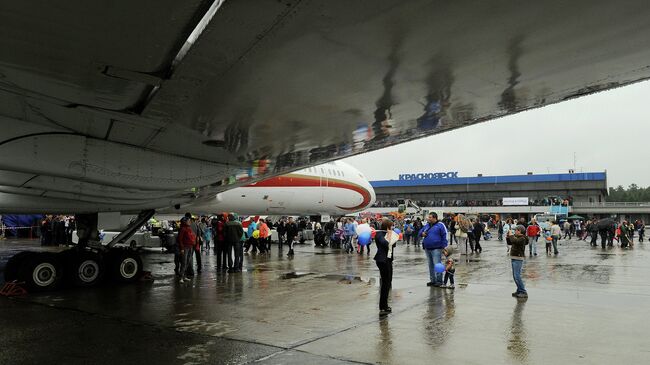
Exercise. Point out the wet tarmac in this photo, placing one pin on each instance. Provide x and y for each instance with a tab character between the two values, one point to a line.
586	305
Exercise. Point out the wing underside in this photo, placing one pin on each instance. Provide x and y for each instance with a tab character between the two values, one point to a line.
129	105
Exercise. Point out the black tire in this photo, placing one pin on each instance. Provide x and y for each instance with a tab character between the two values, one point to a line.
124	266
41	271
86	268
12	269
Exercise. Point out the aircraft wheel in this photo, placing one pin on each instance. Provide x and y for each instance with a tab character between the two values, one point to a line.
41	271
86	269
12	269
125	266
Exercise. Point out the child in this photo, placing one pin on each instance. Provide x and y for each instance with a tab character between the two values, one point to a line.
549	241
449	273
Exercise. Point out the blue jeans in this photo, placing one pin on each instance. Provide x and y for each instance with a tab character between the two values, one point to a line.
517	265
434	257
533	244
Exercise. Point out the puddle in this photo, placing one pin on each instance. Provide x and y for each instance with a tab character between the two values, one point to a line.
348	279
295	275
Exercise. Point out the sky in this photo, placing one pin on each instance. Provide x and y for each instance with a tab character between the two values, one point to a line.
607	131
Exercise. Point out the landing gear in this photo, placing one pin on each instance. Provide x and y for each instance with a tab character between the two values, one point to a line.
83	266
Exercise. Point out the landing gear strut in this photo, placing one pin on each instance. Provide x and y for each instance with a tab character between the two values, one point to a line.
85	265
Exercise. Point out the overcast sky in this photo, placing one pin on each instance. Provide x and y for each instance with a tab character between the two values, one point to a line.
607	131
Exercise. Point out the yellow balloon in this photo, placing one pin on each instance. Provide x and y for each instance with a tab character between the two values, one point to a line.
256	234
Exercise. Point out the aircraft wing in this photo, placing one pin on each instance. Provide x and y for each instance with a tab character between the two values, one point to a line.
126	105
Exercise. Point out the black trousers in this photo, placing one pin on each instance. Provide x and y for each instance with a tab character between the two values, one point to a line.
280	240
386	273
603	238
367	248
222	255
594	238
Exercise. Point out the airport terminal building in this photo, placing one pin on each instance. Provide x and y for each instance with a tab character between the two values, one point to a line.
513	194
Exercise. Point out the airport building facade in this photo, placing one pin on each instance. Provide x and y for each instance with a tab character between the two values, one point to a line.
437	189
515	195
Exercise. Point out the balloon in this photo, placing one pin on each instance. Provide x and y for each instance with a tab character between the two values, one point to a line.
396	230
373	232
401	236
364	238
439	268
363	228
256	234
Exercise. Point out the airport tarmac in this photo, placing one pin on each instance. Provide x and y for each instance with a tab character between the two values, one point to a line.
586	306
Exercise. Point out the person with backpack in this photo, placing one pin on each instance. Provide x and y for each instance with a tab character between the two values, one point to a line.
417	226
408	232
434	240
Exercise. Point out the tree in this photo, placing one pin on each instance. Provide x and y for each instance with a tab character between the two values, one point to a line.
633	193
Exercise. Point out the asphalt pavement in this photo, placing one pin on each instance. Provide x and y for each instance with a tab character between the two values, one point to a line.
586	305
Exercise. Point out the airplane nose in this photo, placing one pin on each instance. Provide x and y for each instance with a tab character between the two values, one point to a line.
373	197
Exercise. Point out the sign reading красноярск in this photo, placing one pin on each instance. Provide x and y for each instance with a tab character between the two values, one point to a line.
429	175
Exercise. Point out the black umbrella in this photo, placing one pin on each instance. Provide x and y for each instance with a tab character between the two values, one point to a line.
606	223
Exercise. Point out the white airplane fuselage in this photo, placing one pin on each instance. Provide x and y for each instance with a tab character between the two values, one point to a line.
334	188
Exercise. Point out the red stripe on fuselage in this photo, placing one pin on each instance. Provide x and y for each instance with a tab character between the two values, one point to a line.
304	181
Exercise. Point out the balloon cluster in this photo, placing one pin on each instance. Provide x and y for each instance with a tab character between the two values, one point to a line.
365	234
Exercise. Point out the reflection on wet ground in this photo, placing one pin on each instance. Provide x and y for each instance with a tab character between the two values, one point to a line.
586	305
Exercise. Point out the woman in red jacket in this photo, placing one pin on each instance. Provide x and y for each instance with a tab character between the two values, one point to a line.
533	231
186	242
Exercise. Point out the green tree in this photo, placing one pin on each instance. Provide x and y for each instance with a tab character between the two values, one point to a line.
633	193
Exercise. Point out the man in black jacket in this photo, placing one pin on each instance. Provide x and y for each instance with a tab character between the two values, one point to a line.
292	232
233	234
282	231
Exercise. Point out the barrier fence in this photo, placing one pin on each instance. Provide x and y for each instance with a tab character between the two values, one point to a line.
31	235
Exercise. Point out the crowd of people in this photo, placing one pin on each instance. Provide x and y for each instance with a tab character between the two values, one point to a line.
520	236
476	202
230	239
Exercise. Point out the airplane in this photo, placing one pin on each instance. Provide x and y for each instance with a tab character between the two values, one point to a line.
134	106
334	188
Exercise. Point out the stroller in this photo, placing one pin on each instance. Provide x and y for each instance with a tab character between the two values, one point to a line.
338	237
487	235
